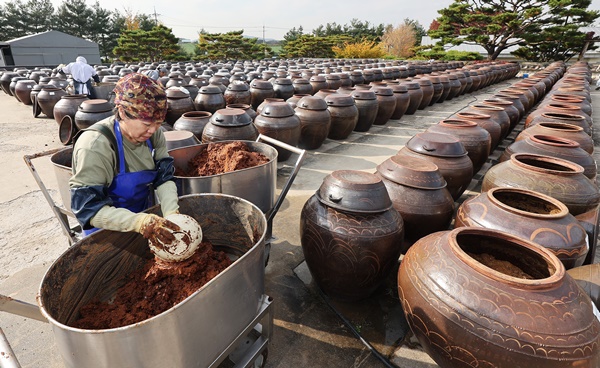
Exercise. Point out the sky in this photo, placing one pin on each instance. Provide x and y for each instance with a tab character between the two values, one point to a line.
187	17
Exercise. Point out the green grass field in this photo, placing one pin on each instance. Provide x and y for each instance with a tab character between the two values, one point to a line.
189	48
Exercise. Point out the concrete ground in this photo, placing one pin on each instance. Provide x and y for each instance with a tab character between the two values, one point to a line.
308	331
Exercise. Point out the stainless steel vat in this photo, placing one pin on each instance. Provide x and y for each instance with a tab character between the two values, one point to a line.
61	161
193	333
256	184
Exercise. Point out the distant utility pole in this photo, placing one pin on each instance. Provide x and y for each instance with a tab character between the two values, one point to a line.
264	42
155	17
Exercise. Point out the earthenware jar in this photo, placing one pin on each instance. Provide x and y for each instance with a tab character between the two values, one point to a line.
33	95
496	113
457	286
555	147
178	103
293	101
48	97
438	89
237	93
516	102
580	101
462	78
315	121
469	81
552	176
527	97
302	86
283	88
557	107
92	111
209	99
247	108
455	86
267	101
23	90
5	80
67	130
344	115
427	88
402	101
193	121
333	81
485	121
476	140
445	81
351	235
386	102
530	215
476	80
416	95
259	90
278	120
447	153
562	130
68	105
13	84
573	119
325	92
227	125
366	102
523	97
508	107
200	81
418	192
175	81
318	82
356	77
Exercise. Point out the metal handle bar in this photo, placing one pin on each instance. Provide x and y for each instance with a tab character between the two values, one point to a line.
301	154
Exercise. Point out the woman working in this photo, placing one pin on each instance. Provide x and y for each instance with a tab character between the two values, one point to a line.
118	161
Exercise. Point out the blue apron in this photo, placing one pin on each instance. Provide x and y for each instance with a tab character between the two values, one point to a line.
129	190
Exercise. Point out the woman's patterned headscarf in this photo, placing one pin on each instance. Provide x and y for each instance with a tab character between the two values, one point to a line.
141	97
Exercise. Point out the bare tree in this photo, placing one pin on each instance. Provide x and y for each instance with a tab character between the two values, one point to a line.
400	40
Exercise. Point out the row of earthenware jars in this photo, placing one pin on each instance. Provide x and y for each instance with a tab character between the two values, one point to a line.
513	240
415	185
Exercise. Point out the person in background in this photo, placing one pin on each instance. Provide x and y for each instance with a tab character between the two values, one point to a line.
155	73
118	161
82	74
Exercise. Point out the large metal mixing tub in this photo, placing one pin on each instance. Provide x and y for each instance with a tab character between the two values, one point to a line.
193	333
256	184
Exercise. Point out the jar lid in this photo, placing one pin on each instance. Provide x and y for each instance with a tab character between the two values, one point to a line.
261	84
412	171
364	94
210	90
399	88
238	86
412	85
177	92
277	109
283	81
317	78
354	191
230	118
312	103
424	82
339	100
300	81
383	91
436	144
95	105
